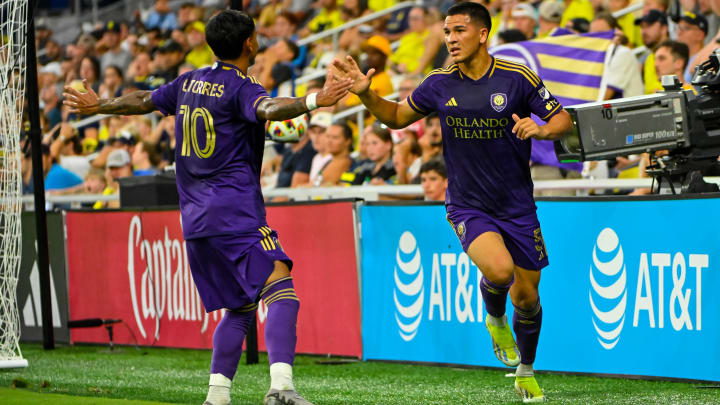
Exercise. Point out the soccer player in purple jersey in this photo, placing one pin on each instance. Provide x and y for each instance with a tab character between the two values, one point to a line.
484	106
235	258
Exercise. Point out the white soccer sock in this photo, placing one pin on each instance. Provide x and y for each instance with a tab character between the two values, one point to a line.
219	392
281	377
495	321
525	370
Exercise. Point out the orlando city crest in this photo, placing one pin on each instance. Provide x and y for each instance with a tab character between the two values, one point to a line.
498	101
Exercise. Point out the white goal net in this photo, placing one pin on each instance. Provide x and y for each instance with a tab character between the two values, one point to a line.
13	27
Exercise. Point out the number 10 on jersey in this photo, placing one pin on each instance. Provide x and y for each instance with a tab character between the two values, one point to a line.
190	133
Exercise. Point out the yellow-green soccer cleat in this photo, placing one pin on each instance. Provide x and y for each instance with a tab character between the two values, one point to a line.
503	342
529	390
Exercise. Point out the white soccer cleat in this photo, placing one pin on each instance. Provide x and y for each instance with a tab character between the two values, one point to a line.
284	397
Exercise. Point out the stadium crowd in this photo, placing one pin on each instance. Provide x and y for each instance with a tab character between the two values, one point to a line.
157	45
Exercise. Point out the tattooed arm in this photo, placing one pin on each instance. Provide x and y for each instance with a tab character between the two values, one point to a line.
283	108
88	103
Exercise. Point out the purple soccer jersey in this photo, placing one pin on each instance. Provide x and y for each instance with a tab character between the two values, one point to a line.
488	166
219	149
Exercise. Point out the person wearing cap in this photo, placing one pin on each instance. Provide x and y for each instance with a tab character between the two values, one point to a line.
577	9
550	14
53	53
692	30
524	19
200	54
319	124
653	31
115	55
168	59
412	45
118	166
377	49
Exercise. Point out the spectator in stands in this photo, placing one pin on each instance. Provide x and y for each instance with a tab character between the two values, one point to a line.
407	56
626	23
671	58
510	36
168	59
406	159
139	71
352	38
377	49
115	55
186	15
67	151
654	30
549	16
433	179
57	178
50	105
623	74
328	17
524	19
431	142
200	54
53	53
145	159
416	129
379	168
112	84
118	166
578	25
161	17
577	9
692	30
708	49
267	16
338	139
296	163
274	66
95	181
604	21
90	72
319	123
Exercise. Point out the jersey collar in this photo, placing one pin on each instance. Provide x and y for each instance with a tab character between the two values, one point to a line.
484	78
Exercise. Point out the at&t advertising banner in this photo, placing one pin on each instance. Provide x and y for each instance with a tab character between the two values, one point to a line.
623	293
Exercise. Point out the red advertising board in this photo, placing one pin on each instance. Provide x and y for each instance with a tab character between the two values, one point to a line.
133	266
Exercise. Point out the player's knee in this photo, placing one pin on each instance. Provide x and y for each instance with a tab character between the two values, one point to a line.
499	271
525	297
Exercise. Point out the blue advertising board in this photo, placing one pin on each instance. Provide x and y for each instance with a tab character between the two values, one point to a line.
629	289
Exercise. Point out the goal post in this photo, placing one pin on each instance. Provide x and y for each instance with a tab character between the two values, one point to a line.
13	29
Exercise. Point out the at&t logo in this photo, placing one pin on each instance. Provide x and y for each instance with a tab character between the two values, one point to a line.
608	294
409	292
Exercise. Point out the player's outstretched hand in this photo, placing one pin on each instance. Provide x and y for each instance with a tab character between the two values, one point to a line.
526	128
333	90
349	69
86	103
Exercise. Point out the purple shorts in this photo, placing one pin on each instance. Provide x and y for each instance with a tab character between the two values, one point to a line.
230	270
522	235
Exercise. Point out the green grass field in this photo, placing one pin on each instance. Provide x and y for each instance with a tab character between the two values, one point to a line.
94	375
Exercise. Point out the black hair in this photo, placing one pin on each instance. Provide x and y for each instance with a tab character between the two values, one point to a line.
226	33
477	13
511	35
117	70
293	47
95	66
434	164
678	50
346	130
